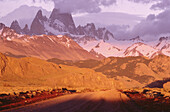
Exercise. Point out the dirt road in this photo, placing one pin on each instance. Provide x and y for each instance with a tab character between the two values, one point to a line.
103	101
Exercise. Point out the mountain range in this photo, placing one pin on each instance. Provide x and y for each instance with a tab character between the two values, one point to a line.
42	46
99	41
24	15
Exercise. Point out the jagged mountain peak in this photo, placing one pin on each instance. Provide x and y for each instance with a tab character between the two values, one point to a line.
62	23
37	26
40	16
26	26
54	14
26	29
65	18
15	23
15	26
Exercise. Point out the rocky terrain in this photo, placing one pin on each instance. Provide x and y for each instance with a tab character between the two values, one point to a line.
150	100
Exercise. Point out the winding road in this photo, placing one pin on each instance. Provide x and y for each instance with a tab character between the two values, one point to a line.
103	101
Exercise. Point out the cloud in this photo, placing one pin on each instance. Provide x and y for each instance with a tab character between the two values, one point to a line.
120	31
162	4
153	25
142	1
157	4
80	6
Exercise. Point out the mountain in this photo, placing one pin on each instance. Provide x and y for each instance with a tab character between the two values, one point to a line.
26	30
24	15
164	45
43	46
65	18
62	23
91	31
33	73
141	49
107	49
131	47
98	40
16	27
37	26
131	71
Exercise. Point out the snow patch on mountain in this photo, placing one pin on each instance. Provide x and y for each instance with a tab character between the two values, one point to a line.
108	50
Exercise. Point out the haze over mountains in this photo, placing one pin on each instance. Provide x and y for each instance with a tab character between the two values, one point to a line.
23	18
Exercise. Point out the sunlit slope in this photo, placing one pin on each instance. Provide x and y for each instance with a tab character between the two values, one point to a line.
35	72
133	71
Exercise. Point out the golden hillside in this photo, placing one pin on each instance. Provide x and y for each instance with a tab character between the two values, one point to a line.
132	71
33	72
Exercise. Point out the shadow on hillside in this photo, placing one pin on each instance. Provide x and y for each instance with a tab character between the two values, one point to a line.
158	83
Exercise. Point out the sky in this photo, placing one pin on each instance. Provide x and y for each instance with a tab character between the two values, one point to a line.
152	16
124	6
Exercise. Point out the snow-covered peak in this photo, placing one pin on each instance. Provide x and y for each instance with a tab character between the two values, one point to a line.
141	49
105	49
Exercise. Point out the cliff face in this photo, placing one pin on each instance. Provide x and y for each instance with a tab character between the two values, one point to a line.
65	18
